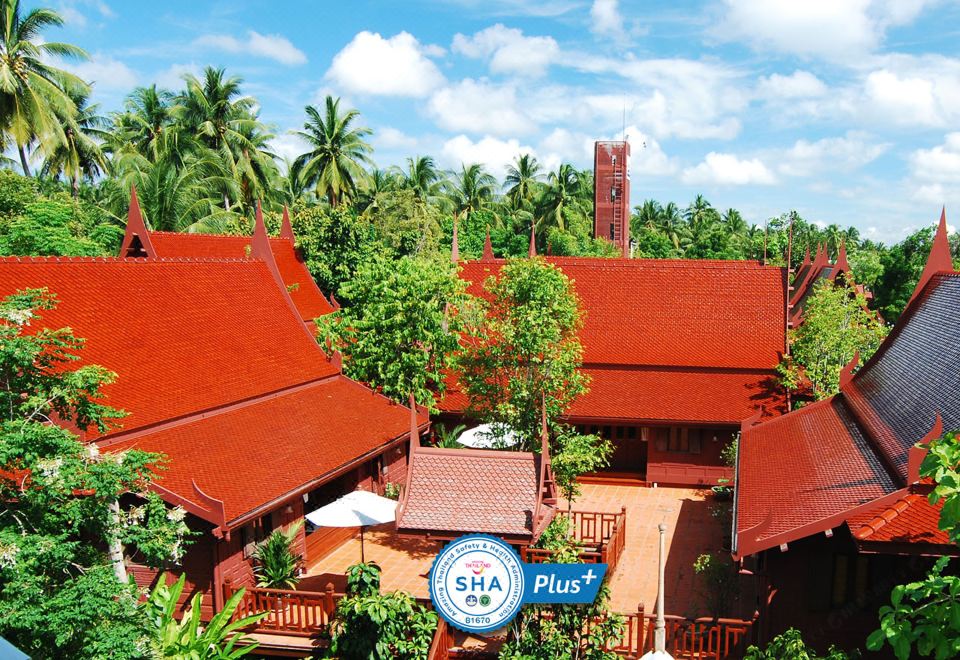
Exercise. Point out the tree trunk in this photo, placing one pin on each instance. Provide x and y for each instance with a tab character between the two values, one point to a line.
75	180
226	202
23	160
116	548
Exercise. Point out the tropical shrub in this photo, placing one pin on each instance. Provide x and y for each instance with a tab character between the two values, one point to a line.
276	564
790	646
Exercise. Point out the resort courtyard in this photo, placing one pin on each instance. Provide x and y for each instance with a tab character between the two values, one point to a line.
691	531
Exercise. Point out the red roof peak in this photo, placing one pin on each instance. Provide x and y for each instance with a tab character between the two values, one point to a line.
286	229
939	259
841	265
533	239
806	258
487	248
455	246
136	238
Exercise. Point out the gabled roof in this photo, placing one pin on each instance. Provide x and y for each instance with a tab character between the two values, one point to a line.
855	451
217	372
450	492
669	340
810	273
909	521
294	276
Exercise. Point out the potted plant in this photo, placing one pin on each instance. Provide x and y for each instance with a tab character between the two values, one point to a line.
277	565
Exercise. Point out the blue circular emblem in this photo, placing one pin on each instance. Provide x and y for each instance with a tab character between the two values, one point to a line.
476	583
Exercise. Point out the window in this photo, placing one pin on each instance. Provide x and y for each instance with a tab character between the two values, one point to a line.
254	533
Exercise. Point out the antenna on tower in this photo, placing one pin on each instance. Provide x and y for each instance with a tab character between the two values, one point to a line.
623	133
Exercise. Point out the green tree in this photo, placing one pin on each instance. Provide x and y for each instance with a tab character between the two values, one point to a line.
790	646
63	586
902	265
924	616
423	177
405	223
335	242
34	95
523	181
54	228
576	455
836	325
522	356
220	639
338	152
401	328
545	632
561	197
471	189
371	625
79	154
149	114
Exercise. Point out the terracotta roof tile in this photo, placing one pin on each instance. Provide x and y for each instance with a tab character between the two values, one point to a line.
303	289
461	490
250	455
681	313
911	519
182	336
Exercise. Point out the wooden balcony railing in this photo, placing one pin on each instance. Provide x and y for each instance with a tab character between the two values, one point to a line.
298	613
686	639
603	536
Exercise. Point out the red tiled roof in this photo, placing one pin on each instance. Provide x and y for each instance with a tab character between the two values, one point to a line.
216	372
251	455
802	468
181	336
850	450
456	491
304	291
682	313
911	519
724	397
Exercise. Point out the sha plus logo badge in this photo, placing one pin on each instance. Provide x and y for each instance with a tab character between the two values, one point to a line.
477	583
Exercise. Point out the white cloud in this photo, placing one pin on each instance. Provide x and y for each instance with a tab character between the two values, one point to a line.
494	153
479	106
728	170
839	30
509	50
397	66
392	138
287	146
606	18
806	158
798	85
917	91
271	46
72	17
108	73
172	77
935	172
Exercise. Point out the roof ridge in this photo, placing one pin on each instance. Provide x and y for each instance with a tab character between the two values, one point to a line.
687	264
887	516
206	235
105	259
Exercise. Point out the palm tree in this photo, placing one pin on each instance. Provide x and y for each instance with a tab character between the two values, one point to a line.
374	184
561	195
422	176
149	113
523	180
334	164
226	122
33	94
471	189
79	154
699	213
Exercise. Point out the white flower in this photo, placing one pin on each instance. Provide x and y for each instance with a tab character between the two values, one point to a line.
18	316
176	514
8	555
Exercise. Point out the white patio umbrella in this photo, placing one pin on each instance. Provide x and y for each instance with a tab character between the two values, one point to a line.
486	436
357	509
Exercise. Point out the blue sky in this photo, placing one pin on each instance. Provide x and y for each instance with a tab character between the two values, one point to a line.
846	110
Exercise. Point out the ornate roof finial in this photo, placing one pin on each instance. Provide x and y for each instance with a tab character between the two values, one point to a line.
286	229
842	265
455	246
533	240
487	248
136	238
806	258
414	426
939	259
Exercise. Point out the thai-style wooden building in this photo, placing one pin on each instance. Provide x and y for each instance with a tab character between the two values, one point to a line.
830	511
218	370
678	353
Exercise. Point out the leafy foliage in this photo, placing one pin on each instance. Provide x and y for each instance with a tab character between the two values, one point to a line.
60	595
924	616
220	639
277	565
790	646
719	582
561	631
577	454
522	355
372	625
836	326
402	327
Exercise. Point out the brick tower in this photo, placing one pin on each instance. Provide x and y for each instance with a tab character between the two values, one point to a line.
611	193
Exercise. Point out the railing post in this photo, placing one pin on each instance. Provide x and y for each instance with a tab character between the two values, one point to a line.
328	604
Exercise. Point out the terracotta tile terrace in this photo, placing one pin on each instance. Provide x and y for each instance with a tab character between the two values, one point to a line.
691	530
